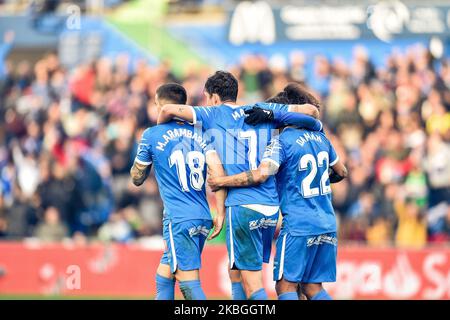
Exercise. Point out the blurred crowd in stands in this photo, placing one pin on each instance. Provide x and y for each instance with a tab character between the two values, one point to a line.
68	139
50	6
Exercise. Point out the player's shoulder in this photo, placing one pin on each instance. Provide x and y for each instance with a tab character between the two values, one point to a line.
232	108
291	130
246	106
228	114
206	109
290	133
323	136
156	130
272	106
147	133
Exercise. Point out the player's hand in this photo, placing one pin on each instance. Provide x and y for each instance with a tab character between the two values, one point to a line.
218	225
257	115
333	176
213	182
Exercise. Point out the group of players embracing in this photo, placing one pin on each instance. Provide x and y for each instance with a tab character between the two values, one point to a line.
260	160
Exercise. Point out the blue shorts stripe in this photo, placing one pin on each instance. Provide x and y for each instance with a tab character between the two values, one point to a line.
231	239
172	247
283	252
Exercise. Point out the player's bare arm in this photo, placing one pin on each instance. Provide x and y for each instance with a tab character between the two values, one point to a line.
215	169
307	109
245	179
174	111
139	173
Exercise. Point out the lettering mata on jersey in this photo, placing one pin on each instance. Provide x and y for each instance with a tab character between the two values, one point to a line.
240	147
304	158
178	155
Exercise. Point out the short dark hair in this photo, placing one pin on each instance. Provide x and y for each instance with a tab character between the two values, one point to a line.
280	98
224	84
297	94
172	92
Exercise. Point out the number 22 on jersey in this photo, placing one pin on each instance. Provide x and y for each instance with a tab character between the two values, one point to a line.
309	161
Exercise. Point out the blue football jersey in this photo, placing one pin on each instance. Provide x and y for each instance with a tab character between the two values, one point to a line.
241	146
178	155
304	158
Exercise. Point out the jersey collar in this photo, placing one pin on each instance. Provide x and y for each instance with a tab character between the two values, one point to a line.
232	106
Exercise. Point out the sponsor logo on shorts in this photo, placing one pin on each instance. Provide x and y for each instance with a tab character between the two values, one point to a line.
321	240
262	223
198	230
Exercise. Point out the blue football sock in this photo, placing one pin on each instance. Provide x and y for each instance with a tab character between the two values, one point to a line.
237	291
192	290
288	296
165	288
259	295
322	295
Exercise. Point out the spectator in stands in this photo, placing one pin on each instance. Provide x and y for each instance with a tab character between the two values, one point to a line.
51	229
3	221
116	229
438	220
437	166
411	226
379	233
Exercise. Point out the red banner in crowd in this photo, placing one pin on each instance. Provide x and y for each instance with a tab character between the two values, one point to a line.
128	271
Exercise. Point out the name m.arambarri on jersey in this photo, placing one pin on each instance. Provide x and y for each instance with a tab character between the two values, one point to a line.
178	133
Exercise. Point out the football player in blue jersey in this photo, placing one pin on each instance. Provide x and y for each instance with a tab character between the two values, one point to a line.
307	245
252	212
178	155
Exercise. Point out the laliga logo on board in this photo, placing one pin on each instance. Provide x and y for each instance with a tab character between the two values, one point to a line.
387	18
252	22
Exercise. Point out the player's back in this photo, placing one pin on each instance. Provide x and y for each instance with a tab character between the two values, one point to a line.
178	155
303	182
241	147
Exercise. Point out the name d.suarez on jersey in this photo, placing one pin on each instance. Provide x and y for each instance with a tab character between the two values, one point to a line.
308	136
